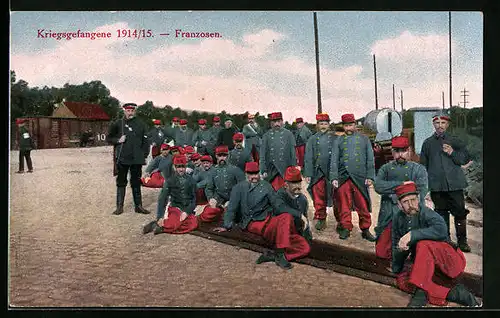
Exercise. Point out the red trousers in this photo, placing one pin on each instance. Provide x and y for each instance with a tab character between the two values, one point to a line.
320	199
280	230
173	224
299	153
156	181
211	214
201	199
277	182
383	246
255	154
429	256
155	151
345	195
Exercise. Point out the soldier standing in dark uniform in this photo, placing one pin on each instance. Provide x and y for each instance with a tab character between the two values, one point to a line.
220	182
128	135
183	135
201	137
443	155
157	136
226	134
180	191
240	155
295	202
318	154
25	146
254	201
214	135
389	176
353	171
302	135
277	152
200	176
420	245
253	137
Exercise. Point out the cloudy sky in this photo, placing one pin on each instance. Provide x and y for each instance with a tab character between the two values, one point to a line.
263	61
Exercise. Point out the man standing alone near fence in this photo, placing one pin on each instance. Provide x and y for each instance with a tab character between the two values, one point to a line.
129	135
25	146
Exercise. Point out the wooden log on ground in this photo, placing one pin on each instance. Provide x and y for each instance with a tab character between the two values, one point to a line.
331	256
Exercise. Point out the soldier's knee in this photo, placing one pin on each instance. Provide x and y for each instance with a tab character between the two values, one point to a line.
135	183
121	183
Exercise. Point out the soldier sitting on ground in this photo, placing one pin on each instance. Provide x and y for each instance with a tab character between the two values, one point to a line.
159	169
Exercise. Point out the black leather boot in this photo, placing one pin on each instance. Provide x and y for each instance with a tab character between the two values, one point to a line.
268	256
461	231
460	295
344	233
120	198
320	225
136	193
367	235
419	299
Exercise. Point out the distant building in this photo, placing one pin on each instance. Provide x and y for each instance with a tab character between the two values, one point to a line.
79	110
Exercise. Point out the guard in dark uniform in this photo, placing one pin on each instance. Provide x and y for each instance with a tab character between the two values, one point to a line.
317	167
277	152
129	136
302	135
443	155
240	155
353	172
157	136
222	179
226	134
295	202
201	138
420	245
26	144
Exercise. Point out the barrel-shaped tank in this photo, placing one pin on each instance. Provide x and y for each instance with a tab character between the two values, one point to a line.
386	122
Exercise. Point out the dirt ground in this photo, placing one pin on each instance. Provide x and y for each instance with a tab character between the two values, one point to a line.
67	250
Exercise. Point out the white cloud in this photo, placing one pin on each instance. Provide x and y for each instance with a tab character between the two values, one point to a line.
221	74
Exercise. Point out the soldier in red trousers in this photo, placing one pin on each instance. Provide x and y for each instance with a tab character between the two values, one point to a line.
352	173
302	135
253	201
420	245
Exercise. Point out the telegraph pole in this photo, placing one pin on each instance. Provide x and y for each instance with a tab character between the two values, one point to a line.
402	109
464	95
375	72
443	99
449	47
393	98
316	45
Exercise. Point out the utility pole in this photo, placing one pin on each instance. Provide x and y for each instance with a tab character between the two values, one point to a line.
316	45
402	109
443	100
449	47
464	95
393	98
375	72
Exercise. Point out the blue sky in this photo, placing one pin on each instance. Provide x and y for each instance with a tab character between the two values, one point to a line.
263	60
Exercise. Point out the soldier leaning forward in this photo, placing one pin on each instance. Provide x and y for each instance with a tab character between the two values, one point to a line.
240	155
352	172
389	176
443	155
157	136
180	191
317	168
252	202
277	152
295	202
420	245
26	144
221	181
201	138
128	135
302	135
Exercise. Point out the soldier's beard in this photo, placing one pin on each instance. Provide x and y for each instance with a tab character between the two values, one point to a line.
238	146
401	160
222	162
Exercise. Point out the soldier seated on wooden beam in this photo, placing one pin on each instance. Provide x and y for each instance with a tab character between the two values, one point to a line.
255	203
420	244
180	191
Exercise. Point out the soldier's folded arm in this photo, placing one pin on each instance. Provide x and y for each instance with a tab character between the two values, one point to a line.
383	186
460	156
436	230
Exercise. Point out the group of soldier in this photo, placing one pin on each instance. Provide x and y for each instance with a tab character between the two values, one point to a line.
253	180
